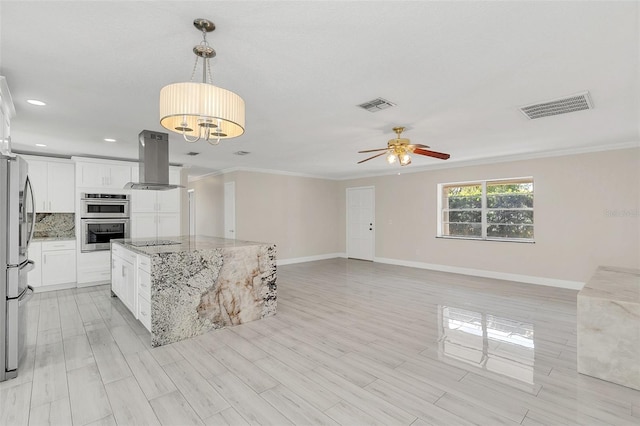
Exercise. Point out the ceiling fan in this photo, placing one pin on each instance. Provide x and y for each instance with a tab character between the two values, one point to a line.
399	149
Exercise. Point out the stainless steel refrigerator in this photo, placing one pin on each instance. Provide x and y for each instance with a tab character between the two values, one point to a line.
17	218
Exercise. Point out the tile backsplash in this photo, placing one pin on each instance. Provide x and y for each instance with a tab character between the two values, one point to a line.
55	225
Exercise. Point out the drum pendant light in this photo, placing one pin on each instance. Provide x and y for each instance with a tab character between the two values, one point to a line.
202	110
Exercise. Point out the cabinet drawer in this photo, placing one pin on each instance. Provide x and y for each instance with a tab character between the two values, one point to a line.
144	285
94	276
144	263
118	250
144	313
58	245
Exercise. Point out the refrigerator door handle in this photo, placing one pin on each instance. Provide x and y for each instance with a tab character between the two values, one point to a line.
33	216
30	266
28	294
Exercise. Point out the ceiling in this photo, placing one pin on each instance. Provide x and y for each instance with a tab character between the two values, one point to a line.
458	71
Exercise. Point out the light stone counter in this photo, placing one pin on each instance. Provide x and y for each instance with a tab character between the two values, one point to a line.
206	283
45	239
609	326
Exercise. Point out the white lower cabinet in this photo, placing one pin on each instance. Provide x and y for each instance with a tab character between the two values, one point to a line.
144	291
123	276
131	282
55	263
93	267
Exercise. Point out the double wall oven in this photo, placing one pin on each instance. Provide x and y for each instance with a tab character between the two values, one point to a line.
104	217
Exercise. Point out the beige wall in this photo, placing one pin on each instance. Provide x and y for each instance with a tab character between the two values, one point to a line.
298	214
577	198
209	203
575	230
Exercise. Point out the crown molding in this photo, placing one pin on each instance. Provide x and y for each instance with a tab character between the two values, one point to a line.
506	159
257	170
441	166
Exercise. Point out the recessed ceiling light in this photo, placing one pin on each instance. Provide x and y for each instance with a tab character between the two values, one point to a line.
109	140
36	102
40	144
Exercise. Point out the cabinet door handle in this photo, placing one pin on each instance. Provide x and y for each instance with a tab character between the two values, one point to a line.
123	270
44	259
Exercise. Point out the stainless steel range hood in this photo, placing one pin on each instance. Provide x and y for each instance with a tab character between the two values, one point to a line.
154	162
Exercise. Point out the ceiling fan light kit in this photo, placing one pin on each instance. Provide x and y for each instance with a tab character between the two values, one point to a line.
400	149
202	110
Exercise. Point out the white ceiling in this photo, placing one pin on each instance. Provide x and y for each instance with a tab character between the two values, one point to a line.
457	71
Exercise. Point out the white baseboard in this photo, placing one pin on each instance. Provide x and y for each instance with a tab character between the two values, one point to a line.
93	283
45	288
528	279
291	261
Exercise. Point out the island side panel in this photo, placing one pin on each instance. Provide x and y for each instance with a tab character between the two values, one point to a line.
193	292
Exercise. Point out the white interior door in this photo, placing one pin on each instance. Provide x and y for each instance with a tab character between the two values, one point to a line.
230	210
360	223
192	212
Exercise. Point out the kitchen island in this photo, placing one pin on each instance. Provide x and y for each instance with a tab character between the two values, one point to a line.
180	287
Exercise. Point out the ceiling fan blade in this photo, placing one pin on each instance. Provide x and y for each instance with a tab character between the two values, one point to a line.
419	145
373	150
371	158
434	154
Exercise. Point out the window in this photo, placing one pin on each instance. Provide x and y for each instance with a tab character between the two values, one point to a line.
488	210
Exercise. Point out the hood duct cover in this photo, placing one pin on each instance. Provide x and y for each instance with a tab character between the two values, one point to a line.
154	162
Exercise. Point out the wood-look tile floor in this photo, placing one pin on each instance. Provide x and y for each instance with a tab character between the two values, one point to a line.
353	343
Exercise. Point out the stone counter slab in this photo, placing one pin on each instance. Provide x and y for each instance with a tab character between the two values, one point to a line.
609	326
208	284
184	244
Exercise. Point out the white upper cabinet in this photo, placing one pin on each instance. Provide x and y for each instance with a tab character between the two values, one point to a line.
157	201
102	175
53	186
155	225
38	178
61	187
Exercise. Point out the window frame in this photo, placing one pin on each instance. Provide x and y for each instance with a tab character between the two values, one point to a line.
484	210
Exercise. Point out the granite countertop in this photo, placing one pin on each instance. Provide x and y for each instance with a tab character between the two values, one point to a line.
44	239
612	283
184	244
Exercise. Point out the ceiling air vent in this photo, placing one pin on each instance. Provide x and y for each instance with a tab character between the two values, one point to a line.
192	154
377	104
572	103
242	153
